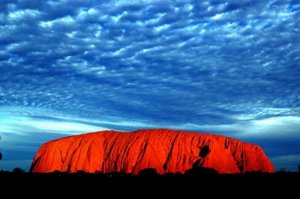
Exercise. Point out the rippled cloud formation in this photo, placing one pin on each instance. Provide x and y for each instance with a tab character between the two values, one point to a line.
225	67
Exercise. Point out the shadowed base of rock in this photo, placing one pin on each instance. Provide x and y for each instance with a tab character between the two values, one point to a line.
194	181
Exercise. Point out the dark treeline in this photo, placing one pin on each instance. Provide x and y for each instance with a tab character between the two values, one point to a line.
149	182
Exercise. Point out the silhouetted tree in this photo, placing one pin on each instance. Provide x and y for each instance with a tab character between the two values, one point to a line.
18	171
282	170
1	156
196	171
148	172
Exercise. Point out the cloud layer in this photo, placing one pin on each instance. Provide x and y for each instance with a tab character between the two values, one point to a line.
228	67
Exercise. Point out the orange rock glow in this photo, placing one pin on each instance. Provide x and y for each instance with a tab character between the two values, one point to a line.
162	149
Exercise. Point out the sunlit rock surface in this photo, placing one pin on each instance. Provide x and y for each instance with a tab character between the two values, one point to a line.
162	149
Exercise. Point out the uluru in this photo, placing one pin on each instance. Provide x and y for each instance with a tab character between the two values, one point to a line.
161	149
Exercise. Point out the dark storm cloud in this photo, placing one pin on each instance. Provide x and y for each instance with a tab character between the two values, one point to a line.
228	67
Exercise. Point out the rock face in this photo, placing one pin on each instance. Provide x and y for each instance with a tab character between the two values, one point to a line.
162	149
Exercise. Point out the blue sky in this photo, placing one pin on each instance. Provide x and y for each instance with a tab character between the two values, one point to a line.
225	67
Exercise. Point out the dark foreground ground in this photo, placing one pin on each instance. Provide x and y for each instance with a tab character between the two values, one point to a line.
151	185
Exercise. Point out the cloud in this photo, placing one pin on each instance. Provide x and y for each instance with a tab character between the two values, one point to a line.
272	128
43	121
210	66
289	162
